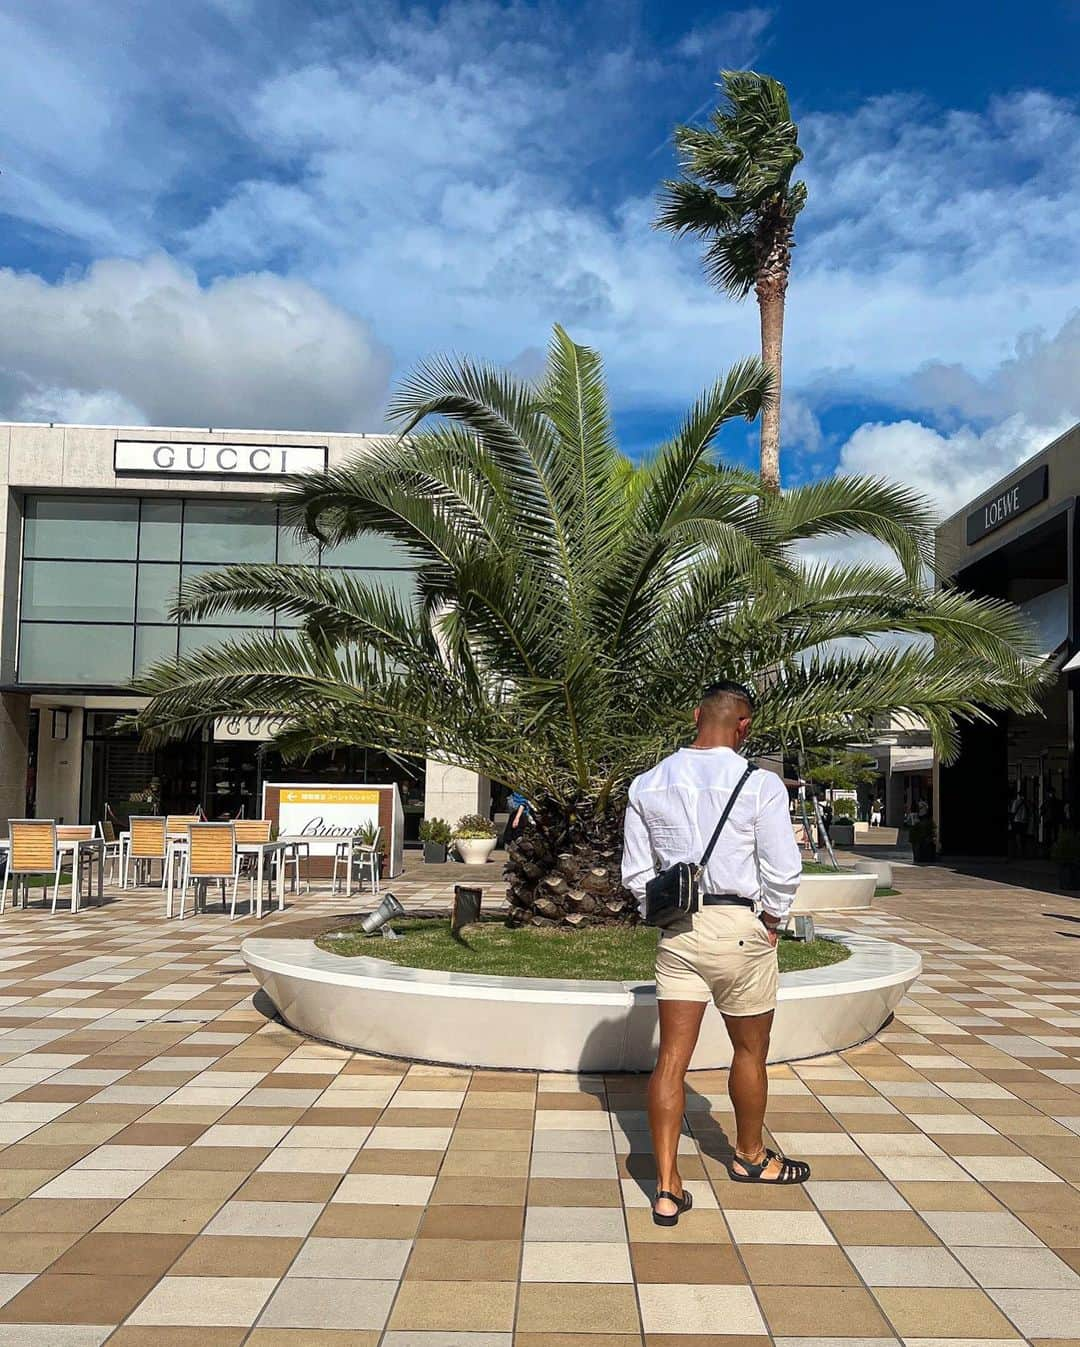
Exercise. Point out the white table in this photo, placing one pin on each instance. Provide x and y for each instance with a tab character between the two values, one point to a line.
261	851
78	846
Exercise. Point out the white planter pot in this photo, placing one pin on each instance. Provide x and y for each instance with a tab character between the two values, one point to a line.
475	850
832	893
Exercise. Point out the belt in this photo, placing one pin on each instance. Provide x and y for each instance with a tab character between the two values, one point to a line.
726	900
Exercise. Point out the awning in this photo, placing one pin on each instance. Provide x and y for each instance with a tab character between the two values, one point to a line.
916	763
1049	614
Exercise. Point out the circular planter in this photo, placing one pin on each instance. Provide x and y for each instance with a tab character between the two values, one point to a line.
882	869
547	1024
834	893
474	850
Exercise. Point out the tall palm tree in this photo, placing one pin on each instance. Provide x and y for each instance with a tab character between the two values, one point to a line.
737	195
569	605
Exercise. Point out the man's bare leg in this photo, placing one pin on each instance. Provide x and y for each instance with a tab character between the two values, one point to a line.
748	1086
680	1022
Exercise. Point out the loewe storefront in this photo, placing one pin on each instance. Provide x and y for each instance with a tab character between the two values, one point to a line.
99	528
1020	541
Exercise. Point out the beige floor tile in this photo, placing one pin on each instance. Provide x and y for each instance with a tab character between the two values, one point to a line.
228	1301
329	1303
560	1307
943	1313
822	1312
699	1309
476	1306
450	1260
778	1227
570	1262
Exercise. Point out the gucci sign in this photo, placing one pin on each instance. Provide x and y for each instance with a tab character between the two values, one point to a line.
175	458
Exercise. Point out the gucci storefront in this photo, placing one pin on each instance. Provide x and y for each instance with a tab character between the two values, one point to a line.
99	529
1015	783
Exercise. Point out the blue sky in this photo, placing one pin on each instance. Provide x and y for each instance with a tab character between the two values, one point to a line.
262	212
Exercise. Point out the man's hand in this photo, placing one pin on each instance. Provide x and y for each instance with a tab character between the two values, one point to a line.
772	928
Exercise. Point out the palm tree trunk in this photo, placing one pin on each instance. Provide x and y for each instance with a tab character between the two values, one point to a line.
564	870
771	310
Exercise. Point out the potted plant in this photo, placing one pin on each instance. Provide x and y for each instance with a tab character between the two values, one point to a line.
842	831
923	841
435	833
368	837
1066	854
474	838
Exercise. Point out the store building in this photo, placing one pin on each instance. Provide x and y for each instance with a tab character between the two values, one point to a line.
99	526
1020	541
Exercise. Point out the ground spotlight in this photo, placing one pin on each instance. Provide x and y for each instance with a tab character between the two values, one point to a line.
387	909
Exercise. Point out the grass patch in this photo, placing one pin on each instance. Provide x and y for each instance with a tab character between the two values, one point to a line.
622	954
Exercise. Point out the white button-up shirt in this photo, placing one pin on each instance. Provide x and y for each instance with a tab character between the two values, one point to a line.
674	808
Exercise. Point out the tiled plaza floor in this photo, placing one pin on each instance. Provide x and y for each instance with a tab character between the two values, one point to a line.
177	1169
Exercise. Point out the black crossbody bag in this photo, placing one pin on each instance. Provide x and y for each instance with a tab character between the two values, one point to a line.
675	893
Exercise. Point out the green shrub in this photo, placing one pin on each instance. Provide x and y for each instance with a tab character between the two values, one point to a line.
475	825
437	831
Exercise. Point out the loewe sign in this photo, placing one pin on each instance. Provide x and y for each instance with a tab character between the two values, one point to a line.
183	459
1004	507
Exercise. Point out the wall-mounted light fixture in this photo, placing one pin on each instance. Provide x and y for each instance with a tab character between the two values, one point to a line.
60	719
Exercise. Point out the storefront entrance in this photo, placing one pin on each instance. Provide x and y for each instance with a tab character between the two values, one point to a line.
224	779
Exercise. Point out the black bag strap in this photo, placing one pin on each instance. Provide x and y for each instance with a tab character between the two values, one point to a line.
724	816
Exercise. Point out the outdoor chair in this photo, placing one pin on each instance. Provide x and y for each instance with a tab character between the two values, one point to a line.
148	843
114	847
176	828
32	851
72	832
358	858
250	831
211	856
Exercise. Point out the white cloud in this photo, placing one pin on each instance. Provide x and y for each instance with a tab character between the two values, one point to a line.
462	180
145	342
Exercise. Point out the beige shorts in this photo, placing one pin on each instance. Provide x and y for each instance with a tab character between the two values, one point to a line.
721	954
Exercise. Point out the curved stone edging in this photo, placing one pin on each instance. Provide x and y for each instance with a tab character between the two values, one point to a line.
548	1024
834	893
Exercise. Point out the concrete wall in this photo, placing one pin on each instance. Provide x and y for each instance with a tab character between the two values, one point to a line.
14	731
1063	459
450	792
59	768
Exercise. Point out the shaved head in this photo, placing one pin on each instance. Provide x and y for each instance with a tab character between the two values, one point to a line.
725	712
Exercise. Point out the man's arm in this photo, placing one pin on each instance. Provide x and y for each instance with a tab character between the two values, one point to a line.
779	861
638	866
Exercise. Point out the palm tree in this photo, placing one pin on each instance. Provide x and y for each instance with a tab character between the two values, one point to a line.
737	194
569	604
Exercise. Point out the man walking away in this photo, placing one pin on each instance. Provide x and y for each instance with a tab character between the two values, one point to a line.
726	952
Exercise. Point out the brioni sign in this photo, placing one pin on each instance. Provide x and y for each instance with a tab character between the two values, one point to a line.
174	458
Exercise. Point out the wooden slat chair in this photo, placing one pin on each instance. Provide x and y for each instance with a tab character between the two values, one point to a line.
177	825
73	832
114	847
250	830
148	843
32	852
211	855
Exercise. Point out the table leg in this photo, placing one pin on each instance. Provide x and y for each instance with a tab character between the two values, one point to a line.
260	863
101	877
281	880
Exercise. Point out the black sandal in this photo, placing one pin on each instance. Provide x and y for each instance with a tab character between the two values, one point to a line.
791	1171
683	1203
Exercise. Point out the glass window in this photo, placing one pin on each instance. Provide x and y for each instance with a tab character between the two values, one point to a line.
367	549
159	531
158	585
226	531
296	550
402	582
201	638
152	644
72	652
81	526
78	591
261	617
